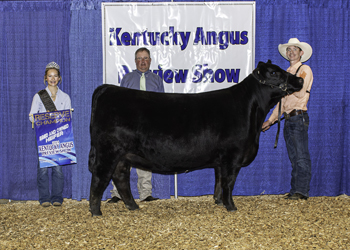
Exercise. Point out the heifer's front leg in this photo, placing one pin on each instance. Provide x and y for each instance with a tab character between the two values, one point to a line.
228	183
121	178
218	186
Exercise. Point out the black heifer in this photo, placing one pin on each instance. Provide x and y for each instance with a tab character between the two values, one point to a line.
168	133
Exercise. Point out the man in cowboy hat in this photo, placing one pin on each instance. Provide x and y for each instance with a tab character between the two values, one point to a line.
296	118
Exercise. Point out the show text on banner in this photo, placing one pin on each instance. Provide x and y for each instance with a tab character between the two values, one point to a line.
178	38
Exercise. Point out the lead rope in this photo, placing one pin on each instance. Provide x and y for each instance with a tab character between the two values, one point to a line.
279	124
279	114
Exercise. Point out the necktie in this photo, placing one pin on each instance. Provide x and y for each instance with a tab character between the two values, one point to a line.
143	82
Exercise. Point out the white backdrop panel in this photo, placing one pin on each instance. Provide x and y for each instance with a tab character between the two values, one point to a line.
195	47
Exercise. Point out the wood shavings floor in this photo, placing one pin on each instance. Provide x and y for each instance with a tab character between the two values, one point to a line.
261	222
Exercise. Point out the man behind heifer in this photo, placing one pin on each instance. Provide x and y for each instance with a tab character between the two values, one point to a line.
141	79
297	119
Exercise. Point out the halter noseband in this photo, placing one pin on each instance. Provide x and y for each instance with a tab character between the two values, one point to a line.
282	86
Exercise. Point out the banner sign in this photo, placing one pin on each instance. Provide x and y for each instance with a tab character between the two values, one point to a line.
55	140
195	47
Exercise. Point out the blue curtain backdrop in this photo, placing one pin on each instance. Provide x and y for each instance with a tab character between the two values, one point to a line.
34	33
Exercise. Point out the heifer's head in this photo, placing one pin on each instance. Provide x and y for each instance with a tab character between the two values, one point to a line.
275	77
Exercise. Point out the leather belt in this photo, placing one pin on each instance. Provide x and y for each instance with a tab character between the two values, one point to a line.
294	113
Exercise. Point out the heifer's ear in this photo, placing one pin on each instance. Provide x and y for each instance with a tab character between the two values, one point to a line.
269	61
260	63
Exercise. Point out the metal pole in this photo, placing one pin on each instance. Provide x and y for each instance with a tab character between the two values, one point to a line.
175	185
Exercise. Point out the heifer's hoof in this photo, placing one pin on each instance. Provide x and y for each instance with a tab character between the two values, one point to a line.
232	209
131	208
96	214
219	203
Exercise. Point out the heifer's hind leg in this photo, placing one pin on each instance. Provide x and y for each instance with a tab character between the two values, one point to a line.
101	168
98	186
121	179
218	186
228	183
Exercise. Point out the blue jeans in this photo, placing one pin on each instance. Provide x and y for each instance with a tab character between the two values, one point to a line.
297	142
56	184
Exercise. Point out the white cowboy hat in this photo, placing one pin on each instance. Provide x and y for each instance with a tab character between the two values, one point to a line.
295	42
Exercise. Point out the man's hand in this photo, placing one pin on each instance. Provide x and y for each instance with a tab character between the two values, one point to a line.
266	125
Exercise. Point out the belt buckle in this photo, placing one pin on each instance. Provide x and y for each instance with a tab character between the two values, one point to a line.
299	112
286	116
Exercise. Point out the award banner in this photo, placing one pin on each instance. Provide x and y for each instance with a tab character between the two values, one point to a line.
55	139
195	47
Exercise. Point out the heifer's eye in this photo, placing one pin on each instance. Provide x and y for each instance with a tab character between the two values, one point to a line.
273	73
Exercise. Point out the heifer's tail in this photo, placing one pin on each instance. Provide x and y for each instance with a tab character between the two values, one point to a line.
97	93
